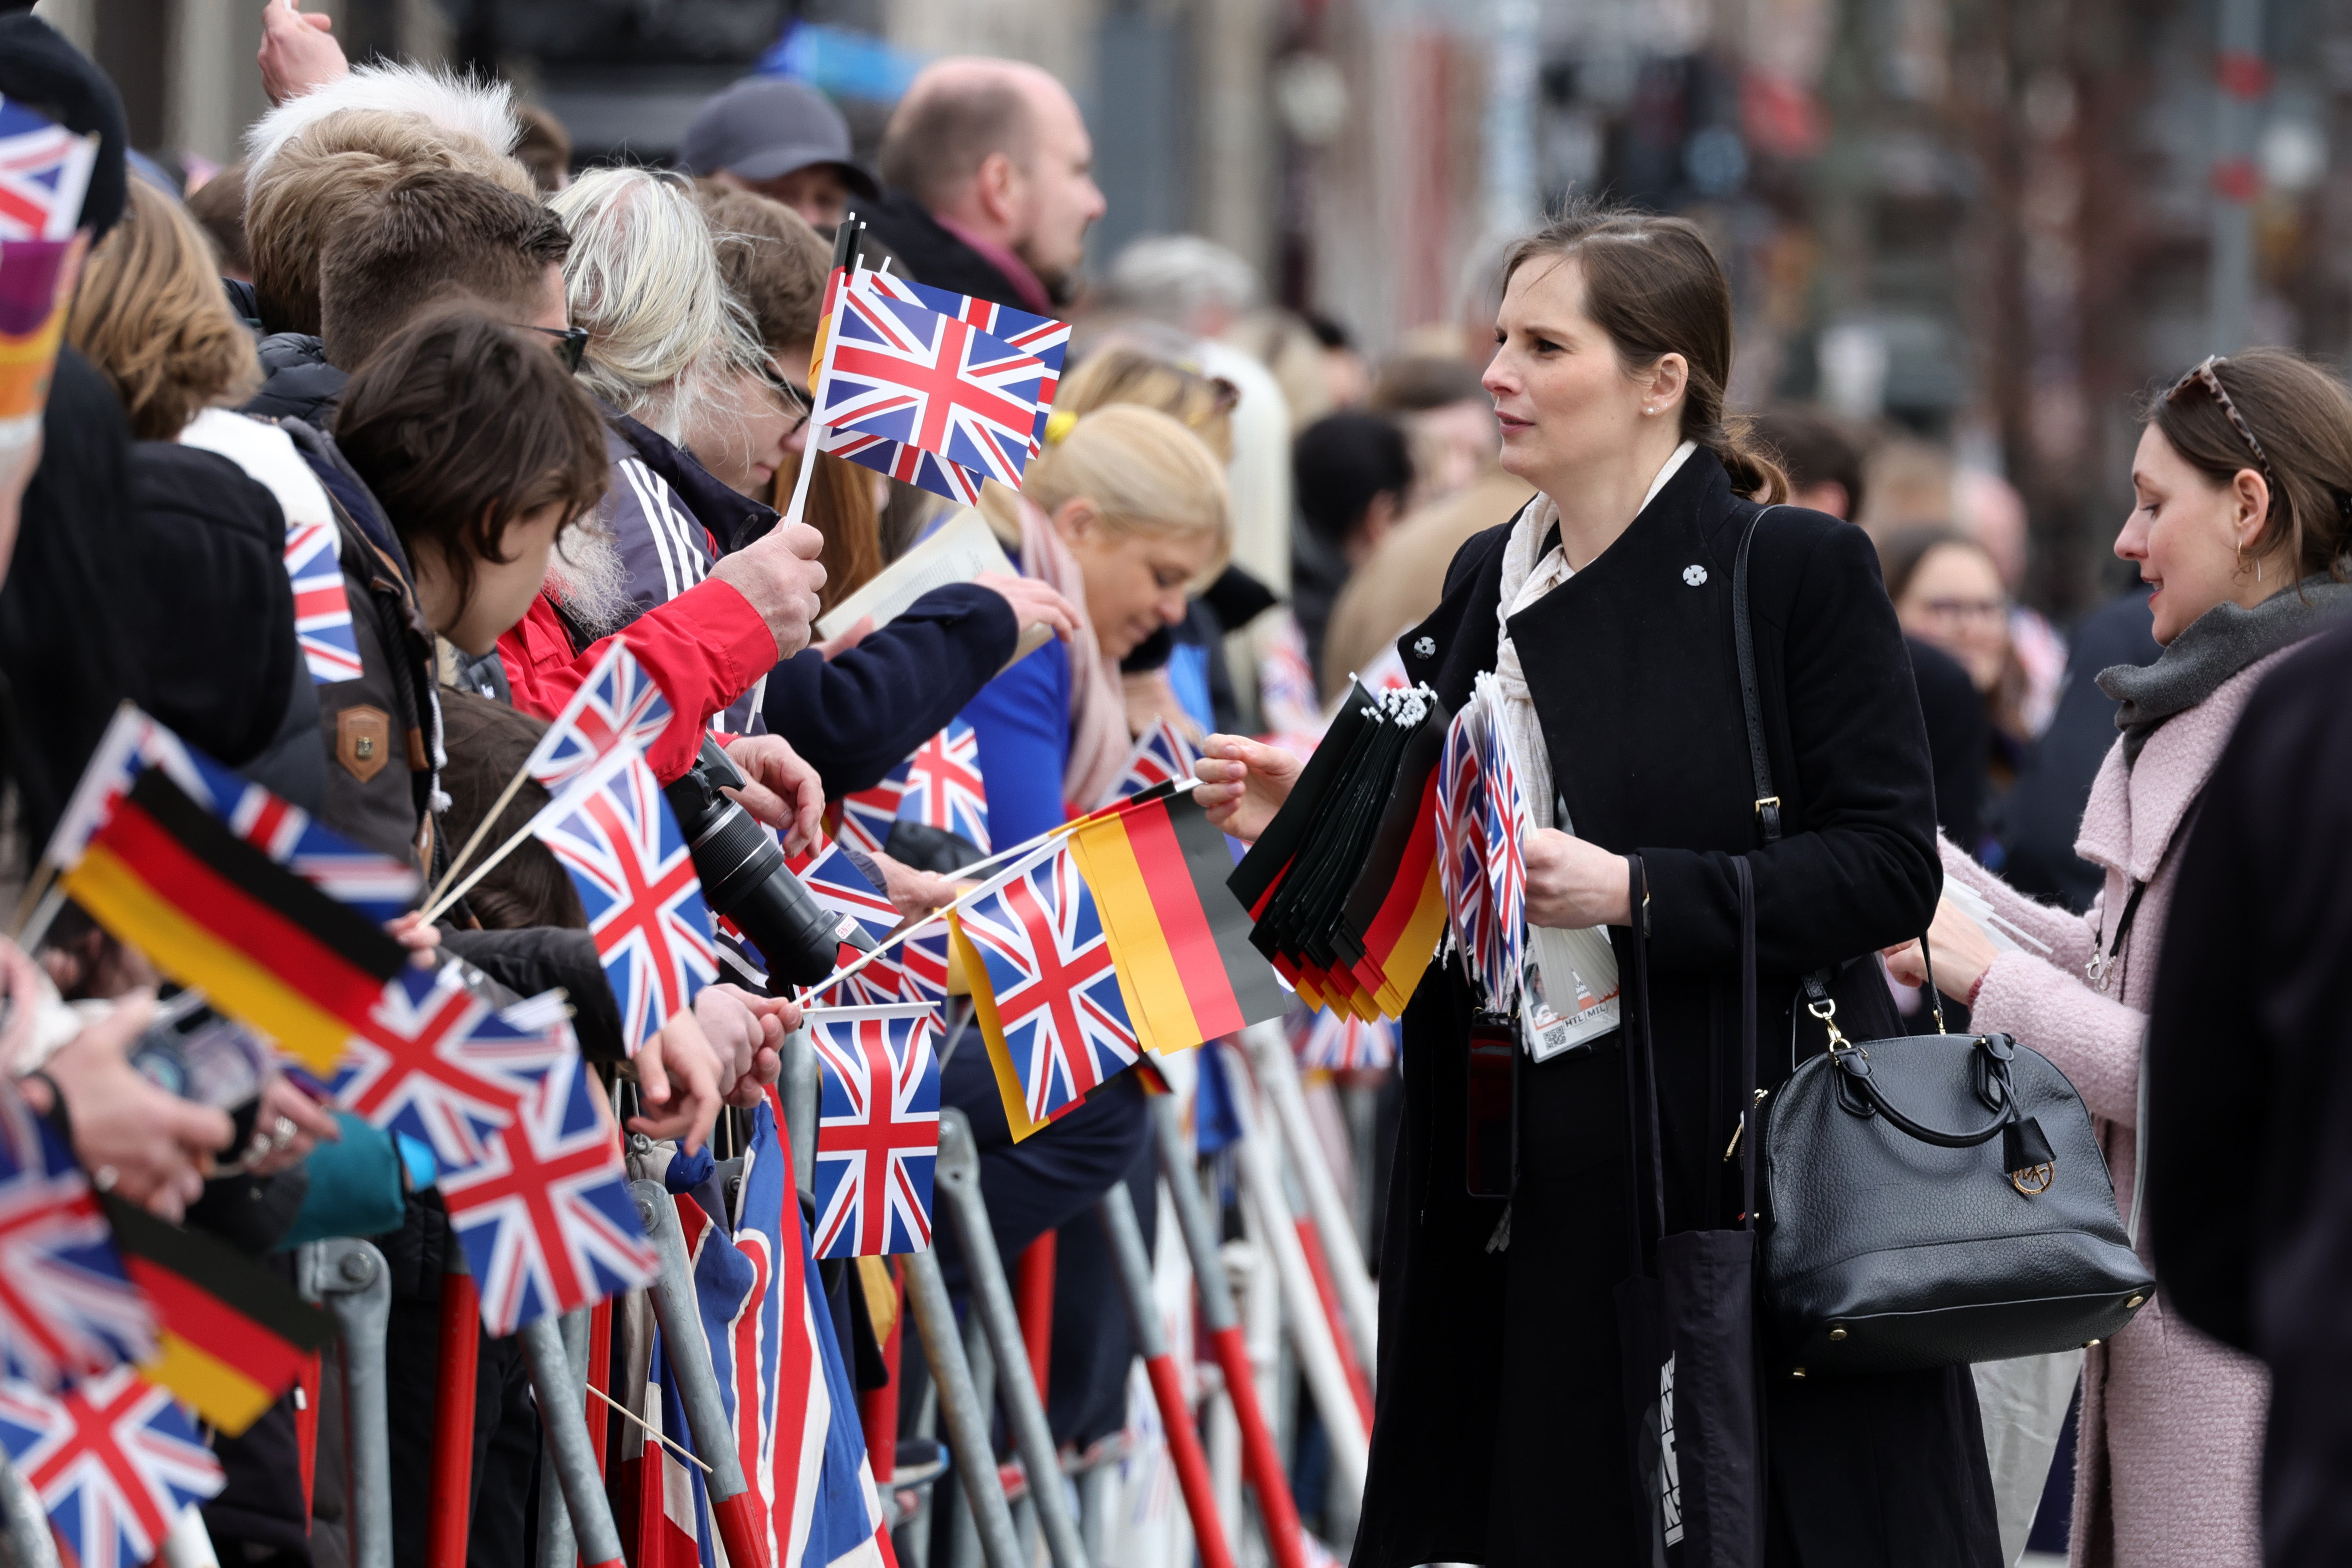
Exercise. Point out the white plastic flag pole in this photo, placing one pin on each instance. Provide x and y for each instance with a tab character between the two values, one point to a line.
818	399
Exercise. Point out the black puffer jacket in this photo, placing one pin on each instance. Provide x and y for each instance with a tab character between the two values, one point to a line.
296	381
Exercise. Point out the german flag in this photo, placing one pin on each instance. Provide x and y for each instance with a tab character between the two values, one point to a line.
1396	909
168	877
231	1336
1180	937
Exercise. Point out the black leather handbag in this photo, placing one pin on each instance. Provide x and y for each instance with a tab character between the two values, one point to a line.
1928	1200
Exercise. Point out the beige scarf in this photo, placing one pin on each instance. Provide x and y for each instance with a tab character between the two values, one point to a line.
1099	737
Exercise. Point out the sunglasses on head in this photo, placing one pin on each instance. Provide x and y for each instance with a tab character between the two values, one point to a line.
2202	375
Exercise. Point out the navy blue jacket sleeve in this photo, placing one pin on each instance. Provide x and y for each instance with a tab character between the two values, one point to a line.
862	714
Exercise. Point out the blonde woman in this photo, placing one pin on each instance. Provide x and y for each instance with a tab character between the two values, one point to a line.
1125	515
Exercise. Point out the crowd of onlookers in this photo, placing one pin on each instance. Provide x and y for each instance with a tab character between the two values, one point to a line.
536	407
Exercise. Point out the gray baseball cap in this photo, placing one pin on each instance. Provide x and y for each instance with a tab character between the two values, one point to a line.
764	126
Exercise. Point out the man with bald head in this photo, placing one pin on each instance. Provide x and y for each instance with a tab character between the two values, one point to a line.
989	171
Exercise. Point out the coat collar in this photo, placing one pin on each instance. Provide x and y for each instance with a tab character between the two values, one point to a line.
733	518
2136	808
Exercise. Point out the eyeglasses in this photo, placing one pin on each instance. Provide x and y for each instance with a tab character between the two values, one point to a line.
792	395
2202	375
571	345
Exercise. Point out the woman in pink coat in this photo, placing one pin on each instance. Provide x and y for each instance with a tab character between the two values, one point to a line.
2242	485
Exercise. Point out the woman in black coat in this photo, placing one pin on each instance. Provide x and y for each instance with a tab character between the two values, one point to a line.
1501	1436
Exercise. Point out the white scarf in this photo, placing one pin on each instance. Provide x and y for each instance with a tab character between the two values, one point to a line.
1527	579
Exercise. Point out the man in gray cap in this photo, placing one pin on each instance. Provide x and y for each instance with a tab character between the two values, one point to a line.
780	139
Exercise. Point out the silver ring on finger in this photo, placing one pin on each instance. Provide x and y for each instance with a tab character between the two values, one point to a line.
282	1133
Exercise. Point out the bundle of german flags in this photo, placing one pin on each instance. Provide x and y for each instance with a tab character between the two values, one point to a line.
1343	885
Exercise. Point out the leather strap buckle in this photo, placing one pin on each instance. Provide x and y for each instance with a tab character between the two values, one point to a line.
1771	800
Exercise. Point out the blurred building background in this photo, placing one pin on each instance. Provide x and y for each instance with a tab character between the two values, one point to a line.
1988	223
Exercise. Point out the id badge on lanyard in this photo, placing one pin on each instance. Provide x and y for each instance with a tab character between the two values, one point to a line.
1567	986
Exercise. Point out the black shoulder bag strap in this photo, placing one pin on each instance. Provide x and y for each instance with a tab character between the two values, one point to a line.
1751	700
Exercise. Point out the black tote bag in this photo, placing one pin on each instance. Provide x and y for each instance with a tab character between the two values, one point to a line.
1688	1330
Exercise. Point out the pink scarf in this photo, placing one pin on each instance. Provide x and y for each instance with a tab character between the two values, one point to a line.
1099	737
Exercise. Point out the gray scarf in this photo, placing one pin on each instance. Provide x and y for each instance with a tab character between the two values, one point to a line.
2216	646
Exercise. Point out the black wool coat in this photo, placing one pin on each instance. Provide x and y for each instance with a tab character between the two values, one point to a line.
1499	1437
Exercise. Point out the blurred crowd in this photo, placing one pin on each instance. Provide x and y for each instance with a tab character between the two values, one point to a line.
540	407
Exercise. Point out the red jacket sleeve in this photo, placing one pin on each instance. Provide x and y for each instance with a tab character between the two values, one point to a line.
704	648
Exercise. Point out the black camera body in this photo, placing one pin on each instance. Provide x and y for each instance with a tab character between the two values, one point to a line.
744	877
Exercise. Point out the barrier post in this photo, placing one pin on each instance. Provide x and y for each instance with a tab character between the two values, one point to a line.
956	1179
450	1487
1134	1264
27	1522
569	1457
734	1506
558	1547
960	1412
1277	1073
1033	1301
1260	1462
1311	1334
349	1277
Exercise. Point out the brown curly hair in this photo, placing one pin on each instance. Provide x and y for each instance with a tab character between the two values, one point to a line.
150	315
461	426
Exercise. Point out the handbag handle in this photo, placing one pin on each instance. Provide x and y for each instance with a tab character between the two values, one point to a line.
1854	1064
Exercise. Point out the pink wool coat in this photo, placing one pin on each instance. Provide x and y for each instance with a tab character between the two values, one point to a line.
2167	1467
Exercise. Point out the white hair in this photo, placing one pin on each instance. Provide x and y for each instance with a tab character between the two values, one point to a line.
1171	277
465	105
643	277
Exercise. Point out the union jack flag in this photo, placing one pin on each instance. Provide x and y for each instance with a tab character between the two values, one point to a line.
635	879
66	1309
546	1218
438	1063
944	787
43	171
322	610
866	814
1462	852
1161	755
877	1132
1336	1040
934	386
834	879
923	966
1058	1008
1506	824
617	711
114	1461
784	1383
379	886
1041	336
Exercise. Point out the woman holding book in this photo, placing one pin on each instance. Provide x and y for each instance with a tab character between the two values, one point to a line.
2240	487
1605	608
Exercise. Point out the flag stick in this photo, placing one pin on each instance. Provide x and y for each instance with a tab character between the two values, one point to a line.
482	829
35	925
441	906
36	888
628	1414
845	254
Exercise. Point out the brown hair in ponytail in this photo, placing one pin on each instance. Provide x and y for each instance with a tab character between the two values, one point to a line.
2302	418
1654	284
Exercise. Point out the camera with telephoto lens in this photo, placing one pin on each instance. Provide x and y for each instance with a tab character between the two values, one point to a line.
744	877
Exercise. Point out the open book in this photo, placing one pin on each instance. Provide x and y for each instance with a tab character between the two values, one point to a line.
958	550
